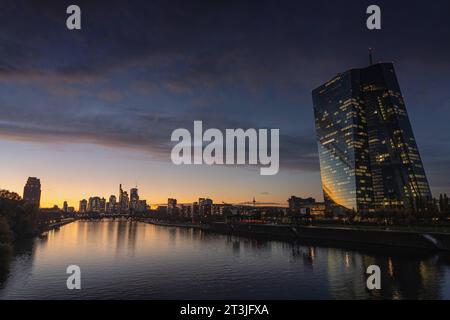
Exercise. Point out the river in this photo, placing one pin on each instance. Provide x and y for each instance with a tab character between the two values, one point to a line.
132	260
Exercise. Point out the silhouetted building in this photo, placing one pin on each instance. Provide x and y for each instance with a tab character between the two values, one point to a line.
94	204
124	201
185	210
195	210
171	206
142	206
65	206
296	204
111	206
83	206
205	207
369	158
32	192
102	205
134	199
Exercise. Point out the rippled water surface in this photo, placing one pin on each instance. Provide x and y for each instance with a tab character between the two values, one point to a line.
133	260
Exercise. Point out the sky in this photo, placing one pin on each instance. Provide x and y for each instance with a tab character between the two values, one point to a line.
85	110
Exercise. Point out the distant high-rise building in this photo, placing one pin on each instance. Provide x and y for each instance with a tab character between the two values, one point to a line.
194	211
111	206
171	206
102	205
124	201
120	198
96	204
142	206
205	206
83	206
134	199
65	206
185	210
32	191
369	158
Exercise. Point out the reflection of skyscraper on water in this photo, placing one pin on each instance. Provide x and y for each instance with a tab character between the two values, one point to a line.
306	254
407	278
346	275
402	277
126	233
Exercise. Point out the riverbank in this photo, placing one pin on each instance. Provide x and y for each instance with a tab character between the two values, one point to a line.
436	241
56	225
175	224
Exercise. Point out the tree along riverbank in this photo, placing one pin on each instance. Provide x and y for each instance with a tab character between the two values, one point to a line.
18	221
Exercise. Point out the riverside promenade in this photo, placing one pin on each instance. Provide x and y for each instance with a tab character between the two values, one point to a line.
391	237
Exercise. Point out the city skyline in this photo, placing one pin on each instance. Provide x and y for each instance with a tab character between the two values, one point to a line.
108	199
85	111
227	157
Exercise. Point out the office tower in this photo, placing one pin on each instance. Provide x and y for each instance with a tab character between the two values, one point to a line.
111	206
102	205
142	206
195	211
185	211
205	207
124	200
171	206
65	206
369	160
83	206
32	192
134	198
95	204
120	197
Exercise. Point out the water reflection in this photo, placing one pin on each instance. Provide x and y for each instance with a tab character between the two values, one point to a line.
128	260
5	260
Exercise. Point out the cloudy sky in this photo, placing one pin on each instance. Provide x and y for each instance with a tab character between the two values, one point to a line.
86	110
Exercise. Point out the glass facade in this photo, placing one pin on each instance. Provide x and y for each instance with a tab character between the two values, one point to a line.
369	159
32	191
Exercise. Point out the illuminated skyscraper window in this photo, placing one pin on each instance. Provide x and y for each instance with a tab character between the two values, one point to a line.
369	158
32	191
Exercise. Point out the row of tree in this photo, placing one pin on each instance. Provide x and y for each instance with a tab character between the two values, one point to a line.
18	220
420	211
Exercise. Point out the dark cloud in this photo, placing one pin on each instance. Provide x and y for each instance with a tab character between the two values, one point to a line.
139	69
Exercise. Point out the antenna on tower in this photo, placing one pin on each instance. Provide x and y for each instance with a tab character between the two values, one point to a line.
370	56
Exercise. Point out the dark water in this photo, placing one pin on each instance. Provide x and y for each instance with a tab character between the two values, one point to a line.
132	260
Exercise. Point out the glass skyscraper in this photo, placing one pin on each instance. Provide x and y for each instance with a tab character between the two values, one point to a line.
369	158
32	191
